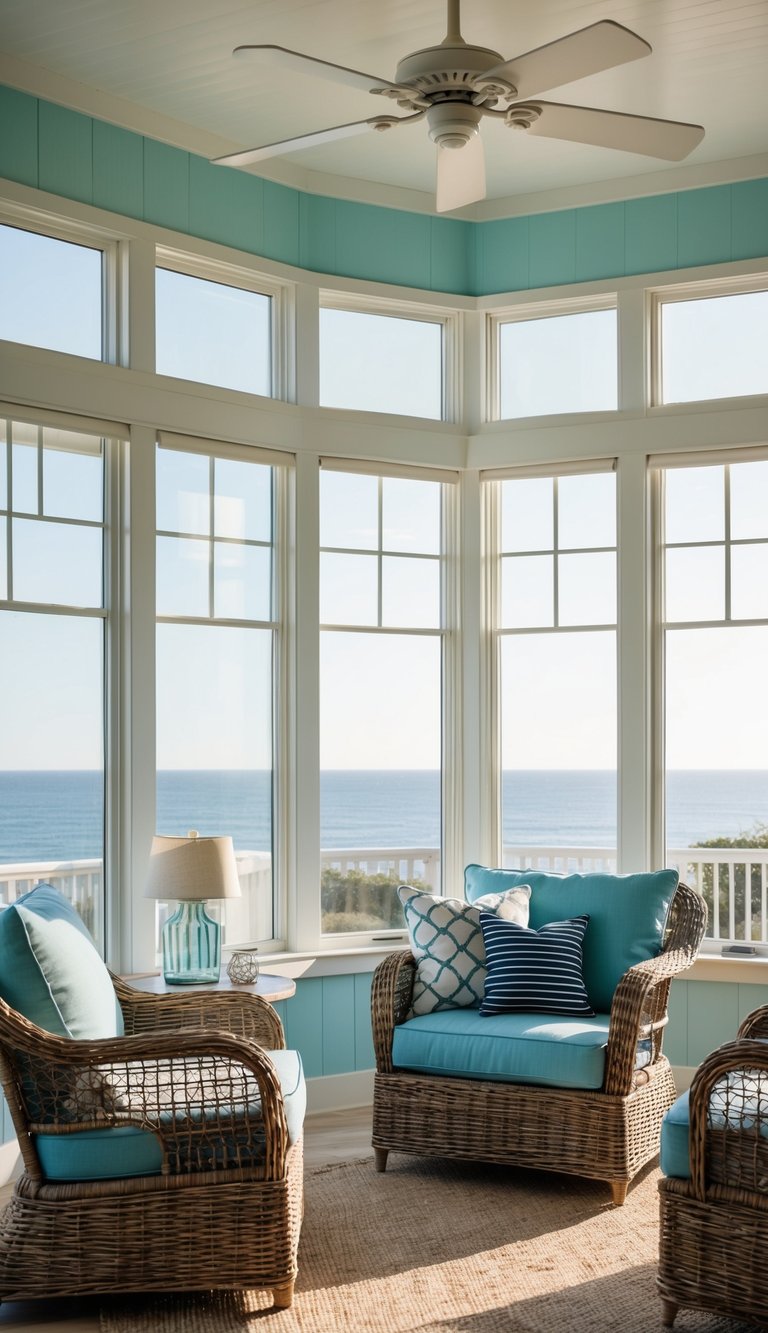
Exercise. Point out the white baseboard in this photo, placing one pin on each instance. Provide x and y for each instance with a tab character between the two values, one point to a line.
340	1092
10	1161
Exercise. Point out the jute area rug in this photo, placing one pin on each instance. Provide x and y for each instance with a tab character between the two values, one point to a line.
448	1248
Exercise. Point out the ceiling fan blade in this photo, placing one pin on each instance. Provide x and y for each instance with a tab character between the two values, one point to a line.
669	139
314	140
281	57
588	51
460	175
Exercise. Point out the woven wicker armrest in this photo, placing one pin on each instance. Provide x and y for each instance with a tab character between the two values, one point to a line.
213	1099
755	1024
639	1013
391	994
241	1013
728	1117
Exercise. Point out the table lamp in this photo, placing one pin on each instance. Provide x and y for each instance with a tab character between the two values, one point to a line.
191	870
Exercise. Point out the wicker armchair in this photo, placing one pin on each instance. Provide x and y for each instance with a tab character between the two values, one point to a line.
714	1225
224	1206
607	1134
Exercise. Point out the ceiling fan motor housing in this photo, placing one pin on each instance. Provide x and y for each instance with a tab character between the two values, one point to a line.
445	75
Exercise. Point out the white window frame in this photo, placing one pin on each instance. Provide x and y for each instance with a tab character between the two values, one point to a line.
523	313
418	312
451	786
709	289
96	238
247	279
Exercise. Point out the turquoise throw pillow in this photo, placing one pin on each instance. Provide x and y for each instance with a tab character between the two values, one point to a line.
627	915
51	971
534	971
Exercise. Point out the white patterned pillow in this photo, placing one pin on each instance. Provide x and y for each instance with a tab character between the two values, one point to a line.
447	943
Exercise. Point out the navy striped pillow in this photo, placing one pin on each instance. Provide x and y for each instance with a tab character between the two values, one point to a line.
534	971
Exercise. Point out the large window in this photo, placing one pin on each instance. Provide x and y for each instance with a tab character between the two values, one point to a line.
213	332
557	616
381	363
715	546
216	650
713	347
51	292
380	694
52	625
557	363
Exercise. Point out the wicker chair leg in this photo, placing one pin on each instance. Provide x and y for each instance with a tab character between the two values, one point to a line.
282	1297
669	1310
380	1156
619	1191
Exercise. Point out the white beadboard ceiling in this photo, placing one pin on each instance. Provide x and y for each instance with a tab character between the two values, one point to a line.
165	68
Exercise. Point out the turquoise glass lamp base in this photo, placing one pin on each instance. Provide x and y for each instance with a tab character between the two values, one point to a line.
191	946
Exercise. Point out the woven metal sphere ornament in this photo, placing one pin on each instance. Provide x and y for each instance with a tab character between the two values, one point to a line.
243	967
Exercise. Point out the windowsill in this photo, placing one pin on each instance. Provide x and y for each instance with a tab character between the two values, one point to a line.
714	967
330	962
340	962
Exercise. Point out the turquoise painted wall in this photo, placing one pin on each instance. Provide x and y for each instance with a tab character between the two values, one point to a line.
329	1021
66	153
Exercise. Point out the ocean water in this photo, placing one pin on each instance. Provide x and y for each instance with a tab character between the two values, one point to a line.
55	816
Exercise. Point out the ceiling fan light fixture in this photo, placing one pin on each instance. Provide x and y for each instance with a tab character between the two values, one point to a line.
452	124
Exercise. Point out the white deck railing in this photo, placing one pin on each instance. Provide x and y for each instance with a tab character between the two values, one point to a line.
738	909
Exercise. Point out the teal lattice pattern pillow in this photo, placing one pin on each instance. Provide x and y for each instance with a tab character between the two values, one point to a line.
447	943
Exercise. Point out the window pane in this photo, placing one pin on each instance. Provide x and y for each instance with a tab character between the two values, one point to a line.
213	333
73	477
242	581
749	582
717	775
349	510
380	754
695	584
52	759
242	500
527	514
348	589
183	485
411	515
214	755
558	739
182	577
714	348
410	592
587	589
381	363
3	558
527	591
51	293
749	500
695	504
24	459
57	563
586	510
565	363
3	472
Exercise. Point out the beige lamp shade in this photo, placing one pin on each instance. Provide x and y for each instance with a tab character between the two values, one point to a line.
192	869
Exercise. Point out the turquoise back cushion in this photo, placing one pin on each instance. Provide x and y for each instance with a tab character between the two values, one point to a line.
51	971
627	915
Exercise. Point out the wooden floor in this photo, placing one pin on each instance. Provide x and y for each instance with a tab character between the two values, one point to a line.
331	1137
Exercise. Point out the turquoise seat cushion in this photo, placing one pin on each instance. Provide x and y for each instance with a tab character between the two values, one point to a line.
557	1052
738	1102
627	915
115	1153
51	971
674	1158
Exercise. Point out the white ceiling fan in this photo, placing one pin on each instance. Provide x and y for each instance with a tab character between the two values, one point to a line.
454	85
